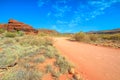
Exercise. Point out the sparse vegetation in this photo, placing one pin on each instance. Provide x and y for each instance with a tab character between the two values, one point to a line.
28	51
99	39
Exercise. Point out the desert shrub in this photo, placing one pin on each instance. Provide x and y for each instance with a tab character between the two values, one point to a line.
93	37
110	36
7	58
56	74
63	64
41	59
22	74
50	52
82	37
104	36
48	68
2	31
18	50
20	33
10	34
115	37
48	40
79	36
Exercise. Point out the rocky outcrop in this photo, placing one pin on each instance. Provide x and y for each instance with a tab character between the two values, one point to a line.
14	25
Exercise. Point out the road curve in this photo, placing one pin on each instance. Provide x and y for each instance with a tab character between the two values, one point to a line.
93	62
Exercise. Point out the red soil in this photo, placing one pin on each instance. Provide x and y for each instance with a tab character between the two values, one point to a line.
93	62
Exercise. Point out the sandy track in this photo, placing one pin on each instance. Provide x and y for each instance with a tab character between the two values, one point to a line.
94	62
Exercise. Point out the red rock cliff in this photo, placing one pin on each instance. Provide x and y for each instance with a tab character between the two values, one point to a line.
14	25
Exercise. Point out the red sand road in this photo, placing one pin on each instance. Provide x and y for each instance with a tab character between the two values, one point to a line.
94	62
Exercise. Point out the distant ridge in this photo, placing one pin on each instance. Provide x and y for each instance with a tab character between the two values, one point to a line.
47	31
113	31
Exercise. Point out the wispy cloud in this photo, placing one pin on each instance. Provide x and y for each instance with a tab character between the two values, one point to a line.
60	11
42	2
91	9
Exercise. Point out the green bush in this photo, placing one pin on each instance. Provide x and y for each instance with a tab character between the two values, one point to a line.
93	37
79	36
10	34
20	33
2	31
82	37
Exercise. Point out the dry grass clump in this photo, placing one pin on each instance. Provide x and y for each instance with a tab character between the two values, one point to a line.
50	52
63	64
49	68
22	74
41	59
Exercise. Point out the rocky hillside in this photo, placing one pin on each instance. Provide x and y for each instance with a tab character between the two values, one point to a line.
14	25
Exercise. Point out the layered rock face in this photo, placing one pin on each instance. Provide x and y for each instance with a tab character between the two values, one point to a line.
14	25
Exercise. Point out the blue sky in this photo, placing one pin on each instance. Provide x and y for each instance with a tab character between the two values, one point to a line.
63	15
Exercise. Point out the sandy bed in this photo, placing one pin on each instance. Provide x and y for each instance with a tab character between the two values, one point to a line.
93	62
